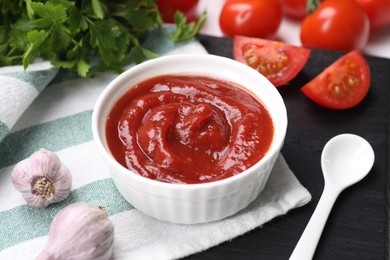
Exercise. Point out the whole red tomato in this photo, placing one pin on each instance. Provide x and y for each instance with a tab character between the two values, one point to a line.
167	9
294	8
336	25
252	18
378	12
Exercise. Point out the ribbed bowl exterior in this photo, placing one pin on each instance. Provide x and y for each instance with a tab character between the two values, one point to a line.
192	203
190	206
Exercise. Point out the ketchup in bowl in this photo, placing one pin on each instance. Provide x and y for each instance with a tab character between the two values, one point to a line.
188	129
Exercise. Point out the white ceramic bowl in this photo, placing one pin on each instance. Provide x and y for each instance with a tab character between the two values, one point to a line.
192	203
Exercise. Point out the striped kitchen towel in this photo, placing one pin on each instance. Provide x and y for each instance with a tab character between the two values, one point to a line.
58	117
18	89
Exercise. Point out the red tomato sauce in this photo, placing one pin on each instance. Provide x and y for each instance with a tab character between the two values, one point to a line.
188	129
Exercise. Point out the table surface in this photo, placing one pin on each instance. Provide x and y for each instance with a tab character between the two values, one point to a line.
357	227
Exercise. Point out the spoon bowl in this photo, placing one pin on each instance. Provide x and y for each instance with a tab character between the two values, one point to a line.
345	160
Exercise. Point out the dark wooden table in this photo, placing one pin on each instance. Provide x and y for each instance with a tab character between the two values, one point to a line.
357	227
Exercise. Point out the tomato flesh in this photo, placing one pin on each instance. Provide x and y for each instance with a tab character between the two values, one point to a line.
269	63
279	62
343	84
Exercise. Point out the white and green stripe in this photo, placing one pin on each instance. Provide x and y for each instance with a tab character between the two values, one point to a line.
17	91
82	159
58	118
55	135
3	130
15	96
24	222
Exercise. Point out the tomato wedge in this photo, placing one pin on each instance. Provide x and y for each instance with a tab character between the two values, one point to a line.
278	61
343	84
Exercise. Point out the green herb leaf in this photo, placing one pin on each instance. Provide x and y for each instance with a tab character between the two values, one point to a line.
49	14
98	9
35	38
86	36
29	9
66	64
139	54
78	22
185	31
103	36
59	38
18	33
82	68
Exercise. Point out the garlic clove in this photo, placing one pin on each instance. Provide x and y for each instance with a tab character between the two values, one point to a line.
42	179
80	231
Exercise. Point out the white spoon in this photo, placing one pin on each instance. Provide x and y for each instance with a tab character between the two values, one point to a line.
345	160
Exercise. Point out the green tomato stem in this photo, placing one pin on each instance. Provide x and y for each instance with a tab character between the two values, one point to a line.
312	5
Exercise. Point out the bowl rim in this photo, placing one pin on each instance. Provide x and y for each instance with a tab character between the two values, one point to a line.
275	147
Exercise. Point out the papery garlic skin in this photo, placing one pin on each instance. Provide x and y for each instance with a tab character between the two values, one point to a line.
80	231
42	179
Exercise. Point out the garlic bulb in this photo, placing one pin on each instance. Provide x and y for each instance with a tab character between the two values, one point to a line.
79	231
42	179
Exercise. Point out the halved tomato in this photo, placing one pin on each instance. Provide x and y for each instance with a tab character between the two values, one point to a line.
343	84
278	61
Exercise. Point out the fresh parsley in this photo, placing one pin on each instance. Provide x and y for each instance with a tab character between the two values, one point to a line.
87	36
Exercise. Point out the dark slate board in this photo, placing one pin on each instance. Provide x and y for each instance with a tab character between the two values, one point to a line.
357	227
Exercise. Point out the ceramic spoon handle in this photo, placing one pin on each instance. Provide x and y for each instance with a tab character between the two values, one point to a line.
307	244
